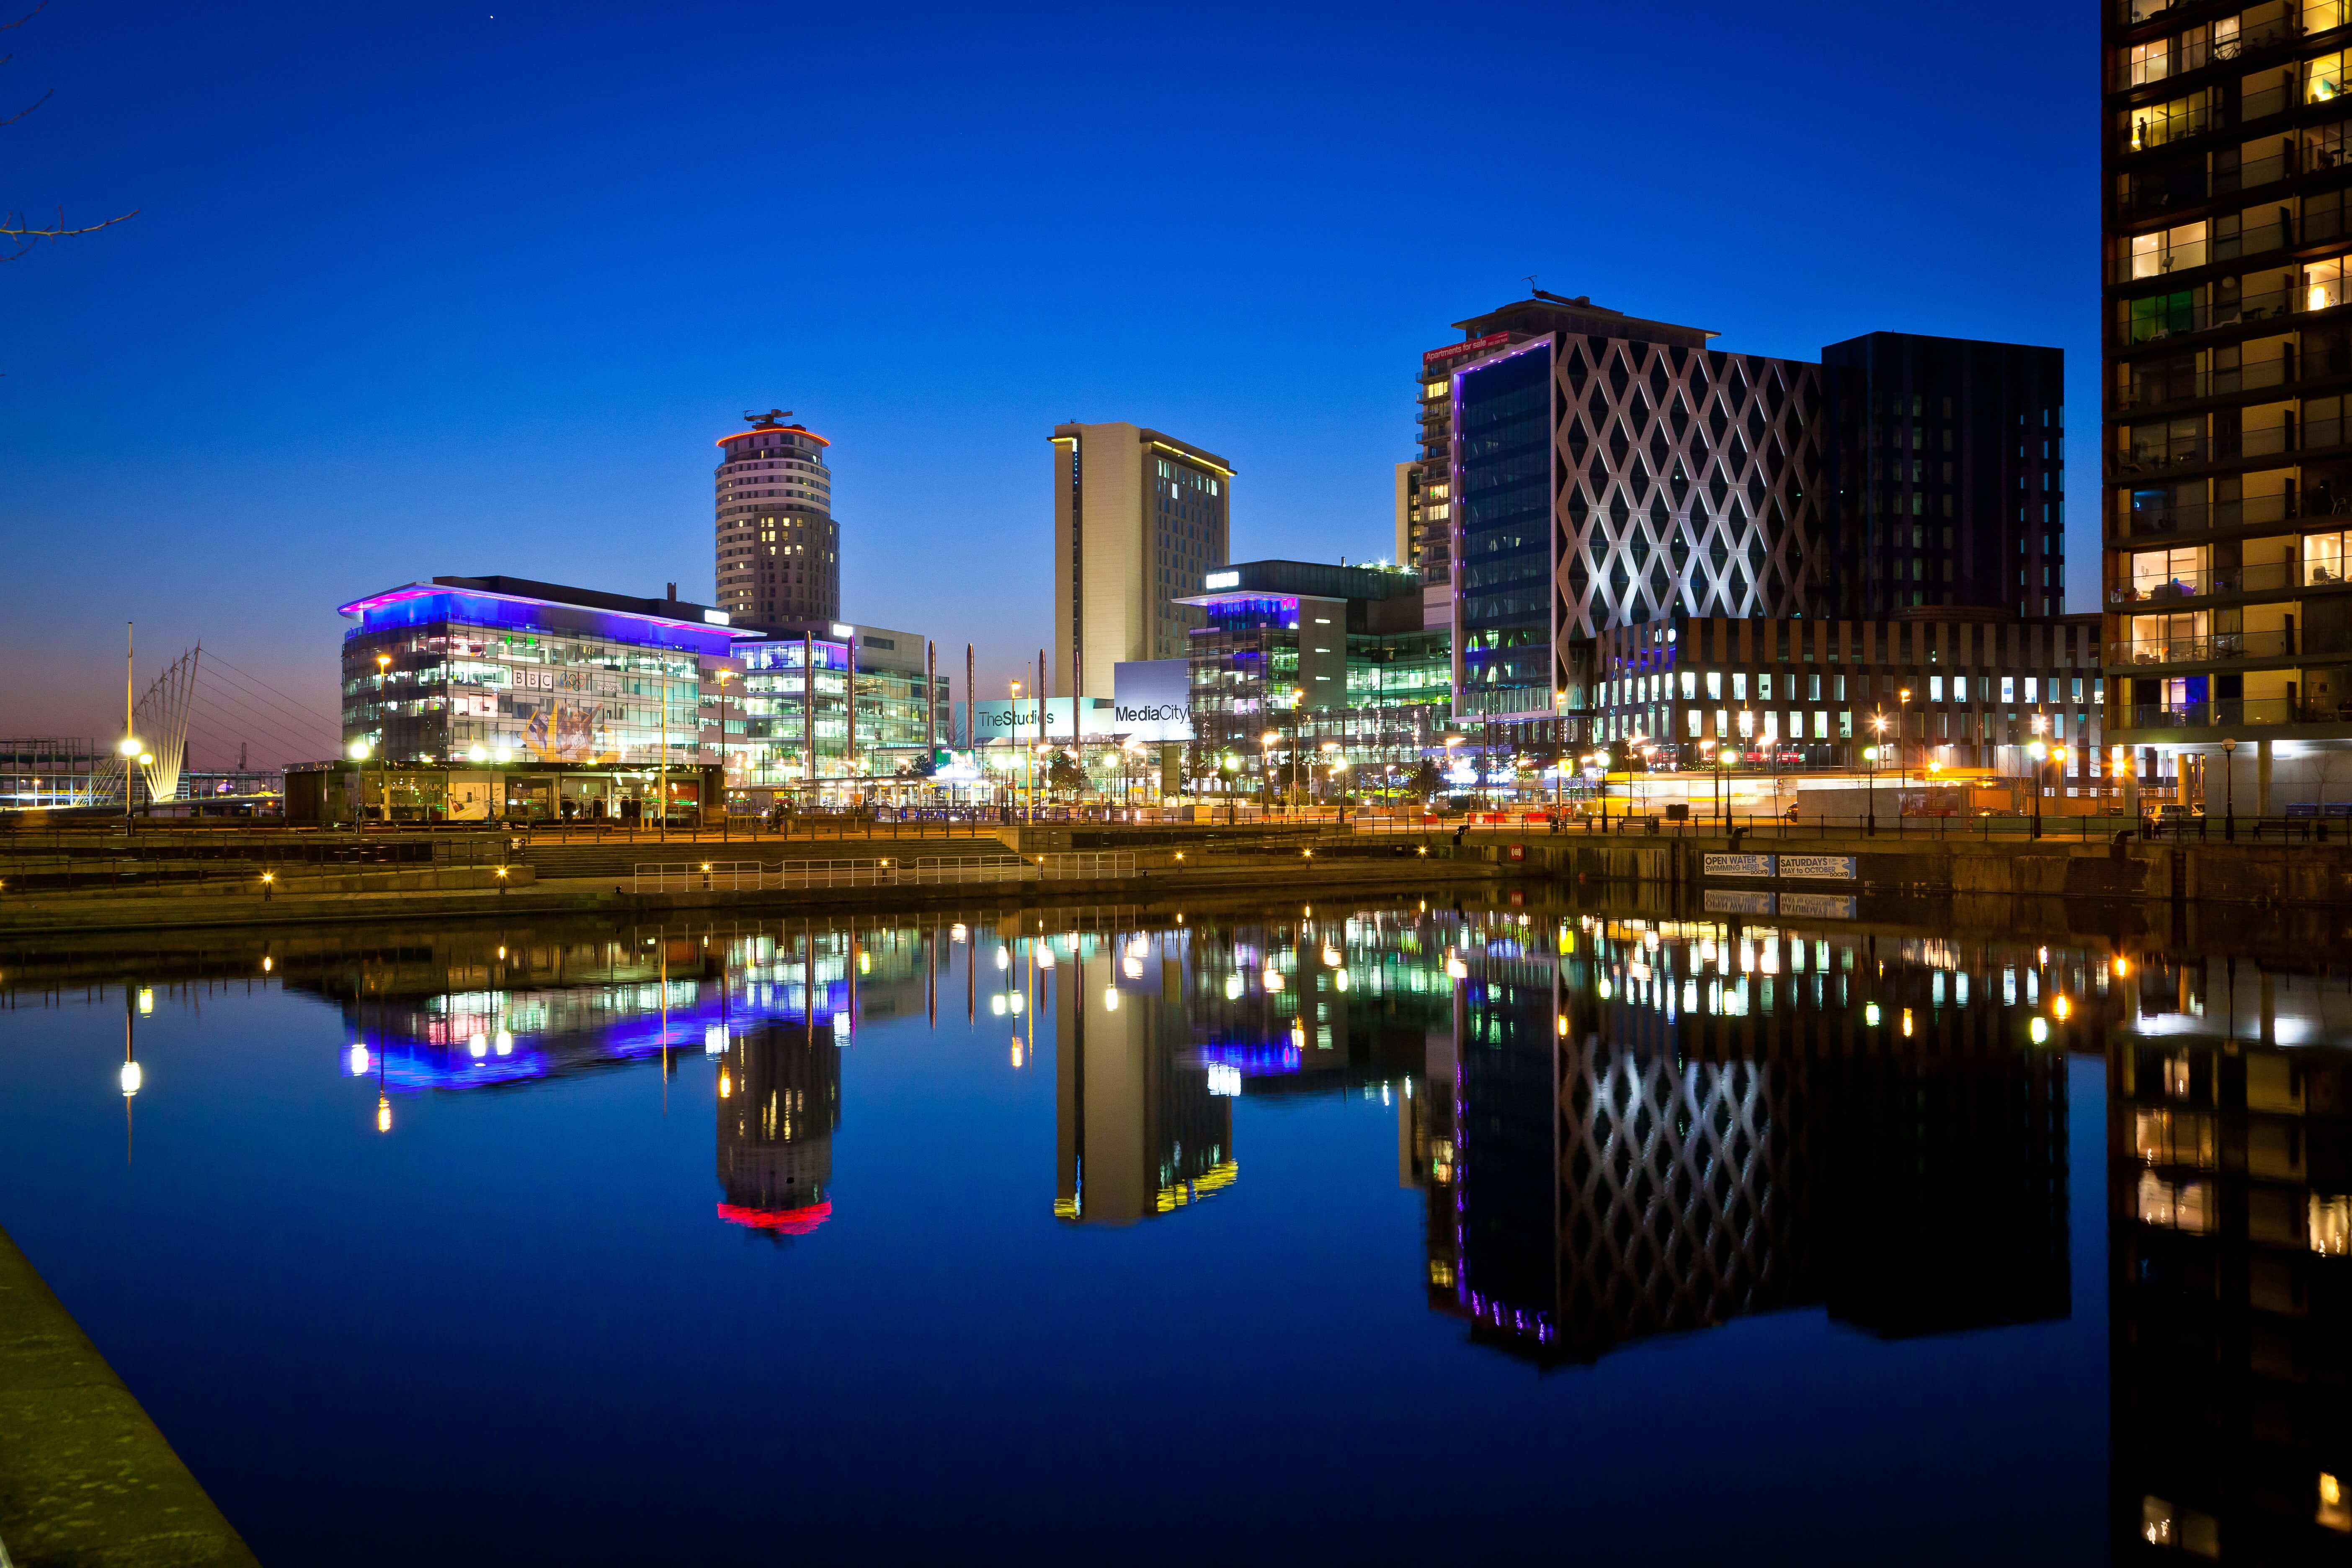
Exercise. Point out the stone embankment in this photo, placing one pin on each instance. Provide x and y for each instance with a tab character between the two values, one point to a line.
85	1477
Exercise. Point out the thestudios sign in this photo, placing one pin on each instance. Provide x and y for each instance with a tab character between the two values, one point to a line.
1151	699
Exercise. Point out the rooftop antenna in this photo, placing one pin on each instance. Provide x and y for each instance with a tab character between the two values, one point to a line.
1531	284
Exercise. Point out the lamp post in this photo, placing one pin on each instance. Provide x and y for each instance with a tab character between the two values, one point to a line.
1723	761
1870	788
359	753
130	747
1875	756
2229	789
724	676
1266	770
1901	728
1451	742
1017	746
1330	761
2037	752
384	718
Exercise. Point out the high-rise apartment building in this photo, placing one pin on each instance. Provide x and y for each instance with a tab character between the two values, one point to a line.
1140	518
1605	472
779	549
2228	363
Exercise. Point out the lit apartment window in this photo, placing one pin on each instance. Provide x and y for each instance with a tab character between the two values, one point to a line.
1435	389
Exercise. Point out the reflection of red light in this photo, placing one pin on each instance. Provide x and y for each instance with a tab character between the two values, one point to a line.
792	1222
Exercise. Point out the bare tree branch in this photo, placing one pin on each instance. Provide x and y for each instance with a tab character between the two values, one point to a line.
19	234
30	107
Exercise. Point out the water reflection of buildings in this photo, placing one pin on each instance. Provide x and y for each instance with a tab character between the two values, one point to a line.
1141	1128
778	1106
469	1012
1159	1032
1659	1128
2229	1137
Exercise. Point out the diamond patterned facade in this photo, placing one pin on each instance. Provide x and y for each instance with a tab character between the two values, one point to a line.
1661	1141
1684	484
1609	471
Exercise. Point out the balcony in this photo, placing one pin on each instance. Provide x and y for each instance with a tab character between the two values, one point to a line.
2173	522
2163	388
2220	647
2161	320
2265	577
2229	711
2153	458
2260	239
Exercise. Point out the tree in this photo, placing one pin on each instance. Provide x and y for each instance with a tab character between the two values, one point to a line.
1065	774
1426	781
20	232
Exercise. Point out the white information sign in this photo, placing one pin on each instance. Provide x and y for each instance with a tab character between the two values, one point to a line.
1736	865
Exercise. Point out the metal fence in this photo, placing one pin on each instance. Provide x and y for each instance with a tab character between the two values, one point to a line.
1088	865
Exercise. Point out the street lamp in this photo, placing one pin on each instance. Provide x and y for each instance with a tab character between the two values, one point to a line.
1017	746
130	747
1266	768
2229	789
1870	786
2037	752
1723	761
1903	728
359	753
724	825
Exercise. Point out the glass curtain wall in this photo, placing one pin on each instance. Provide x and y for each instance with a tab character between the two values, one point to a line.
1504	600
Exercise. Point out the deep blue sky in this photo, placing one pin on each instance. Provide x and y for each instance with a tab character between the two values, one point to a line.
426	288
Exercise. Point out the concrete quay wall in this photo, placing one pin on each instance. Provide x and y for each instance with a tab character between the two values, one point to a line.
85	1477
2210	872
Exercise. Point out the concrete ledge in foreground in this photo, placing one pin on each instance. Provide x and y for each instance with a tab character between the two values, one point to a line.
86	1481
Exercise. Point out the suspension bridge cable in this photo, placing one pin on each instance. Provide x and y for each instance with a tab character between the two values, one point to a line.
248	725
334	718
255	703
263	694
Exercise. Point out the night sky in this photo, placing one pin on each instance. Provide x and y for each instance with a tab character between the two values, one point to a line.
431	288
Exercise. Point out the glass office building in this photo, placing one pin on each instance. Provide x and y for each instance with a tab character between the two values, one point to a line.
1316	656
1608	473
501	696
836	707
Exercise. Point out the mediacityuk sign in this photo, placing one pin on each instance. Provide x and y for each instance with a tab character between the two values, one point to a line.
1151	699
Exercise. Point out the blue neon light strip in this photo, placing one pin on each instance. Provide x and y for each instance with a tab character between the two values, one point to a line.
409	607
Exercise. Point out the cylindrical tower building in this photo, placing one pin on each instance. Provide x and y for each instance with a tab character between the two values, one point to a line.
778	551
